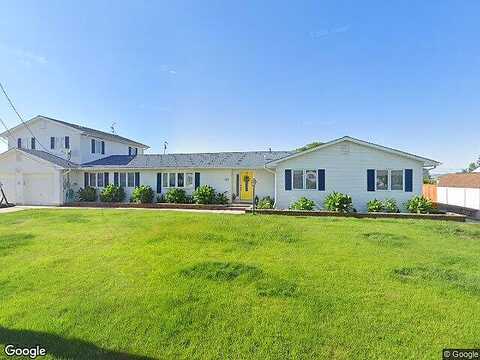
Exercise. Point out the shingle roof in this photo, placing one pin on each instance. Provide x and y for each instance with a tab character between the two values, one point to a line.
97	133
471	180
222	160
50	158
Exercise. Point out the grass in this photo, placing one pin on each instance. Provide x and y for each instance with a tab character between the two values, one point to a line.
120	284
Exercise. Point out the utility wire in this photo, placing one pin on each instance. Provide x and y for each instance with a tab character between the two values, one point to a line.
19	116
6	127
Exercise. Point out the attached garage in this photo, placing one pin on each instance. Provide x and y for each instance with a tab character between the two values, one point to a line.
30	180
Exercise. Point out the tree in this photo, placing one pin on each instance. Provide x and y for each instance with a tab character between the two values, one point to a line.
472	166
309	146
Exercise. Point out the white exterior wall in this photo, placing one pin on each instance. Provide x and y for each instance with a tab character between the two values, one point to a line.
464	197
346	172
111	148
30	182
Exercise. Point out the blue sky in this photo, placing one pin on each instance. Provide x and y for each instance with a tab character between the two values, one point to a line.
219	76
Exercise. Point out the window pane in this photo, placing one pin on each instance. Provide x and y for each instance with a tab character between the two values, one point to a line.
123	179
131	179
188	179
180	178
397	179
100	179
382	179
311	179
165	180
172	179
298	179
93	180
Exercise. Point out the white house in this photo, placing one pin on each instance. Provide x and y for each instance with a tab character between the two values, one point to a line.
50	159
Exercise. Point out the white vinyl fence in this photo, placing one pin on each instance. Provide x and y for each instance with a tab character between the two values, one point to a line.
465	197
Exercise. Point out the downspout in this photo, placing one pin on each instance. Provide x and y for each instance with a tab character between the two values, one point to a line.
274	184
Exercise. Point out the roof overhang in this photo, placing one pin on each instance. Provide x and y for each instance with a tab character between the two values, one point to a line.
426	161
31	157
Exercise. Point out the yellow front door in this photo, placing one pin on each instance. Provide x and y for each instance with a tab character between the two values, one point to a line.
246	185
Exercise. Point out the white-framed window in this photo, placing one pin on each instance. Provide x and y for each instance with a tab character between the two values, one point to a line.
172	180
93	179
131	179
123	180
182	180
304	179
389	180
188	179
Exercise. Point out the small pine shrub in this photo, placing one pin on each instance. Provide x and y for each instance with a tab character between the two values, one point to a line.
176	196
303	204
375	206
204	194
419	205
143	194
112	193
338	202
87	194
266	203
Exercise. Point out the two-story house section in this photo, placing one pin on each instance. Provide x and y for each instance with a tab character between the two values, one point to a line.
49	149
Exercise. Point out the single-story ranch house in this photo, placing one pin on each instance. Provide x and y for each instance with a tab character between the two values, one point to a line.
49	159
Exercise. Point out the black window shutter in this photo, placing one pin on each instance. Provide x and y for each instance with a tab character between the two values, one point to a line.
93	146
197	180
85	179
129	151
103	147
67	142
106	180
288	179
33	143
137	179
19	143
408	180
52	142
321	179
115	178
370	180
159	183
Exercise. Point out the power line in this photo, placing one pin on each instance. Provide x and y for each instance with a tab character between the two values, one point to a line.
6	127
19	116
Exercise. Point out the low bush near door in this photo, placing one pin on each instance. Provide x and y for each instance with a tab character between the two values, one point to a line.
204	194
142	194
303	204
266	203
87	194
176	196
338	202
221	199
112	193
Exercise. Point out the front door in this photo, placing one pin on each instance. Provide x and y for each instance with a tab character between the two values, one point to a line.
246	185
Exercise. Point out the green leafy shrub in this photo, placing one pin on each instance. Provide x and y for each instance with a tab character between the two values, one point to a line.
338	202
143	194
419	205
375	206
204	194
87	194
266	203
303	204
221	198
160	198
176	196
112	193
390	206
189	199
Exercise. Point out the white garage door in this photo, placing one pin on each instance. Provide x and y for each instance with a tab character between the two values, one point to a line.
38	189
8	183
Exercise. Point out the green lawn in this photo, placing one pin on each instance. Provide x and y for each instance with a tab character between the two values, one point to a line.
121	284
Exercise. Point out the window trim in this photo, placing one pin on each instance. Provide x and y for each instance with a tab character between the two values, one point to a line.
304	180
166	184
389	175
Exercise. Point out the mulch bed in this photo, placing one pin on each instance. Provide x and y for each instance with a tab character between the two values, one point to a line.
152	206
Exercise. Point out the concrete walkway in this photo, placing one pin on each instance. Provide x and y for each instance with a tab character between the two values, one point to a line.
25	207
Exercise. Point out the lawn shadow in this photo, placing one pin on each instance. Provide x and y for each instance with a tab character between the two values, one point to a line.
60	347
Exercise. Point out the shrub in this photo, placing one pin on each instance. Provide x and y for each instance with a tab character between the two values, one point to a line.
189	199
338	202
204	194
419	205
390	206
112	193
87	194
176	196
375	206
266	203
143	194
160	198
303	204
221	198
